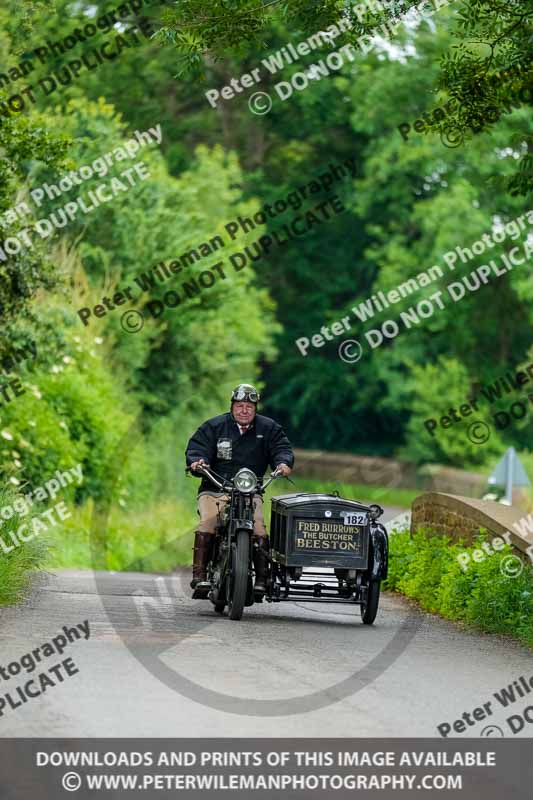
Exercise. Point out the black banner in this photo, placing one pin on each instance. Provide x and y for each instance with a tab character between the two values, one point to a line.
266	768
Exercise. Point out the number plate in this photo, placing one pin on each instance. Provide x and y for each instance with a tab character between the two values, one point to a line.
355	518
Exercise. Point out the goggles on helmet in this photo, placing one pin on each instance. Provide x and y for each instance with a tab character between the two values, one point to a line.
247	393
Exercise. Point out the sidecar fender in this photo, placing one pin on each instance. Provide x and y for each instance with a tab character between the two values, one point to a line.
380	552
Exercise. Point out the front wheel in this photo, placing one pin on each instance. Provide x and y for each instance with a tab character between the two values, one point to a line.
237	580
369	608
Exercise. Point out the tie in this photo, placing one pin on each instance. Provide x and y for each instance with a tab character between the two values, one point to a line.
243	428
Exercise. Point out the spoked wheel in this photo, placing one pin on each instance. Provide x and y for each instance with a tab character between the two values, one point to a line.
237	579
369	608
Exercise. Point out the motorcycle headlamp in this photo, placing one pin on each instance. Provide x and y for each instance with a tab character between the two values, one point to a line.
245	480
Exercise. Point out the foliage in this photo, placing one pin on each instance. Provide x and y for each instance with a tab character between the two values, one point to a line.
434	389
72	412
18	566
410	203
152	223
490	37
195	32
425	567
21	142
486	36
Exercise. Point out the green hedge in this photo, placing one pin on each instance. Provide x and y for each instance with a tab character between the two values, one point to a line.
425	567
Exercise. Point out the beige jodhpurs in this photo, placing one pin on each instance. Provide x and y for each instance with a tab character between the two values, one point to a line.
208	507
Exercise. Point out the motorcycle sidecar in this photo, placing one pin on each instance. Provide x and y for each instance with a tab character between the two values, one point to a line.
327	549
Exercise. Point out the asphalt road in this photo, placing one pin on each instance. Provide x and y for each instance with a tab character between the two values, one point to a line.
160	664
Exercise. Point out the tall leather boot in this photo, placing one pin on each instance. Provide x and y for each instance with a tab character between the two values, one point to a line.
201	554
260	557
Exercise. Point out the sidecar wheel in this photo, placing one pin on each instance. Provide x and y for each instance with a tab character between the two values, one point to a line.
237	580
369	609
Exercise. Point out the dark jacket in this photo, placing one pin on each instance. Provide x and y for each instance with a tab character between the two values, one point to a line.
219	442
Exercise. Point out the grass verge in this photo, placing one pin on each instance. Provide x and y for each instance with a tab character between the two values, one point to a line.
19	560
156	539
425	568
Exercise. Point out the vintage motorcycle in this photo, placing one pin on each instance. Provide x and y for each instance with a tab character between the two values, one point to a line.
323	548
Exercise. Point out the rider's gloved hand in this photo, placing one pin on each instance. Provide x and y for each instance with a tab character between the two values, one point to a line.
200	463
283	469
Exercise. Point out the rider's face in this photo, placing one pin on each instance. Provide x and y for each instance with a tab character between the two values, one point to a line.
243	412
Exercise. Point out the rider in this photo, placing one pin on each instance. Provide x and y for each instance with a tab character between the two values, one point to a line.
227	443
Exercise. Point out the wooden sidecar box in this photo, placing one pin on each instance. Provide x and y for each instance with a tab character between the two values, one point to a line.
319	530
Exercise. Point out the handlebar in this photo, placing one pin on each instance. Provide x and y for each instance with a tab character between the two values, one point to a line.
273	476
218	480
222	483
